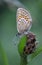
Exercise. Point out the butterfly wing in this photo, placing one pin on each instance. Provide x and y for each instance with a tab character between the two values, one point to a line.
24	23
24	20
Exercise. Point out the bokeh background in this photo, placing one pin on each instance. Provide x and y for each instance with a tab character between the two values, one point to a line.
8	29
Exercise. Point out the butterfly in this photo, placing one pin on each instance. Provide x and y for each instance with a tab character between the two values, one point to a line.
24	21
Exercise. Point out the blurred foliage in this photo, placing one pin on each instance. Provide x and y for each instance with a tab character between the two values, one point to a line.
8	30
37	51
4	56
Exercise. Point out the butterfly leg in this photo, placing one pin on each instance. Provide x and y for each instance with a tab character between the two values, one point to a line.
18	34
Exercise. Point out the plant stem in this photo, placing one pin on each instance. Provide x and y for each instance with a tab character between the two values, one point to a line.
23	60
4	56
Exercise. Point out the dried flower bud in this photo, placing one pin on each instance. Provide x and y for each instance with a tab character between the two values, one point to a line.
30	45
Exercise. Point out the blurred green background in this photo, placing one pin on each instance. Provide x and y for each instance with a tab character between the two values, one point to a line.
8	30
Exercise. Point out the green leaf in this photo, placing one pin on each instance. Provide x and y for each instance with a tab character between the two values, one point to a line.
22	44
4	56
37	51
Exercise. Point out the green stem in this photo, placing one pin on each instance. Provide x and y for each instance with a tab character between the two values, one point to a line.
23	60
4	56
23	57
